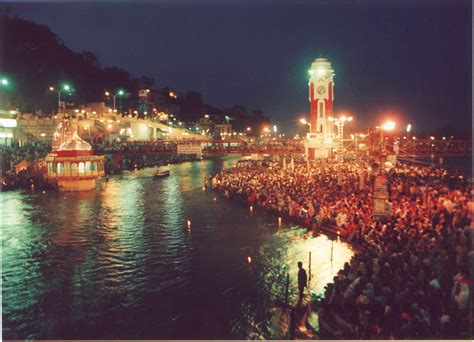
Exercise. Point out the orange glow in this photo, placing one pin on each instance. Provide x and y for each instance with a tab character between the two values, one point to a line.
388	125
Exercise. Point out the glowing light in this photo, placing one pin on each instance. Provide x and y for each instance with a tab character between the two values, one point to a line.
408	128
388	126
251	209
4	81
43	134
321	72
107	93
8	123
279	221
432	138
51	88
189	223
249	259
303	121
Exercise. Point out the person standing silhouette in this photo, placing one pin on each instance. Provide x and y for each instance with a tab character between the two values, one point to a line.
302	278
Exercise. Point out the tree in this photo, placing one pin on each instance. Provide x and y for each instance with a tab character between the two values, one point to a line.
191	106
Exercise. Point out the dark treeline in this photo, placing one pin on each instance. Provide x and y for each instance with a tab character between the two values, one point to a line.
35	58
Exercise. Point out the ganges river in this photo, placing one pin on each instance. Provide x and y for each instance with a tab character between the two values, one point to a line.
121	262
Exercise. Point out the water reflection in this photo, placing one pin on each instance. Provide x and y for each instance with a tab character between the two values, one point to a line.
121	262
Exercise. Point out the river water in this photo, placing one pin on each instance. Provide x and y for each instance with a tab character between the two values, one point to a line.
121	261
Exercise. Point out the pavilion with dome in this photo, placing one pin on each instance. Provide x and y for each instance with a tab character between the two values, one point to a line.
71	163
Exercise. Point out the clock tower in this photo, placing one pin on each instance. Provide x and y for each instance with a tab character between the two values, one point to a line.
320	139
321	95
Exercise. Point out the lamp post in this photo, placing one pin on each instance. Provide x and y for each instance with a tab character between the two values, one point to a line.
339	122
408	133
305	122
387	126
3	84
66	87
118	93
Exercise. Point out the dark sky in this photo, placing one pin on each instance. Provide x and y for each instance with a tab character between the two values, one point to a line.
409	60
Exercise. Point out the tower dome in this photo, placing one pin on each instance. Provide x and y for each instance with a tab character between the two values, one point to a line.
75	143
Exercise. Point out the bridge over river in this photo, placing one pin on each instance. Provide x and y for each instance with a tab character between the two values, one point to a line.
421	147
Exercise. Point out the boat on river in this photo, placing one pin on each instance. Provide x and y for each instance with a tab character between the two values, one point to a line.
162	172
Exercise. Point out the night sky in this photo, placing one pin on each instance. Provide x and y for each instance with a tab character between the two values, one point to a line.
407	60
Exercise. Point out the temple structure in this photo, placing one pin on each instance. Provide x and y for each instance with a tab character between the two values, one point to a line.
71	163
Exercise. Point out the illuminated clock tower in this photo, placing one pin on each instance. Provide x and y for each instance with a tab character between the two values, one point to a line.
320	139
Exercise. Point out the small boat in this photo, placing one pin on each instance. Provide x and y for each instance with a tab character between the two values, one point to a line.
162	172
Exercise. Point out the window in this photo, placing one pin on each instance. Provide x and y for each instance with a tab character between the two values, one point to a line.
60	169
321	109
73	169
94	168
67	169
82	168
88	167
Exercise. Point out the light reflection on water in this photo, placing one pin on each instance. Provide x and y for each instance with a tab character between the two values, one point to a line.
121	262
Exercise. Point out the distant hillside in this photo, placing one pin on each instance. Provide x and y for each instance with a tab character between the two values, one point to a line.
34	58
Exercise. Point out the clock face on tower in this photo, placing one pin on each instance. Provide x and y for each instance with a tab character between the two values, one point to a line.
321	90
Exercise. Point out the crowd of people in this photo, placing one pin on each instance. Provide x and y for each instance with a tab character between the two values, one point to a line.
411	275
19	165
30	152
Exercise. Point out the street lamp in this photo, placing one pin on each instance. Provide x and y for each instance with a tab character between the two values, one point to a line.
66	87
305	122
387	126
4	84
118	93
339	122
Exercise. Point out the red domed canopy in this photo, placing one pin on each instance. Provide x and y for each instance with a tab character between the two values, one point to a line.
74	146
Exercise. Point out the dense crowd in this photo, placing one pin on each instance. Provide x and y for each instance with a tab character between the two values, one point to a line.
30	152
411	276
